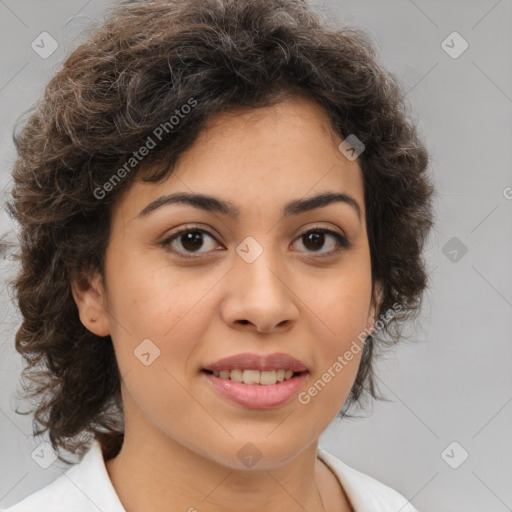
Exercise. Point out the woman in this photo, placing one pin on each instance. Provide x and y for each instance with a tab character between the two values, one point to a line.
222	209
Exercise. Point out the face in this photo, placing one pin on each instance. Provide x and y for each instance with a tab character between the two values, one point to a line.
188	286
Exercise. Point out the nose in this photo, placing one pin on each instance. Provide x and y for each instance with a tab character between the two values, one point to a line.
259	296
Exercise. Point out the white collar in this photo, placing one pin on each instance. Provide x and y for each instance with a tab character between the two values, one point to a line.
86	487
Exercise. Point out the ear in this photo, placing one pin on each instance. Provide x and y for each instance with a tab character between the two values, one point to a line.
374	306
90	298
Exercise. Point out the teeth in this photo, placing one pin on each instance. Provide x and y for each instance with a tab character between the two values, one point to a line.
251	377
268	377
236	375
265	377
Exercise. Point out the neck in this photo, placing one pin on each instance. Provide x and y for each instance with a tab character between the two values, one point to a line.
166	476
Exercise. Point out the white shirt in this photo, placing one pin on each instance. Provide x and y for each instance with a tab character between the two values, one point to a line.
86	487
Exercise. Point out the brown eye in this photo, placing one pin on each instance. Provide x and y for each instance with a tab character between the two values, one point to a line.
314	240
189	240
192	240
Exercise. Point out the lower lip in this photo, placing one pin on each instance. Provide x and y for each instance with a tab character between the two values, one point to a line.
257	396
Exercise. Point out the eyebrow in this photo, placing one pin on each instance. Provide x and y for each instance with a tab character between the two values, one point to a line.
215	205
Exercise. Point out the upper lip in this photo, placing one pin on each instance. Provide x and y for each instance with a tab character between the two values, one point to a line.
248	361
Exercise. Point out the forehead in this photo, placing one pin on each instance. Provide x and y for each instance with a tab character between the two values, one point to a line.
260	156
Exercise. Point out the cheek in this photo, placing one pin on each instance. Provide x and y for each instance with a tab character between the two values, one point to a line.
148	297
157	317
341	304
160	303
340	309
337	355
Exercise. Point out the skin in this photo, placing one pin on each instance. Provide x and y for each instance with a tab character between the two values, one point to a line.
181	436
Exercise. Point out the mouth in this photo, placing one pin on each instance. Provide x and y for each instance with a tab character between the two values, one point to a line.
257	381
253	389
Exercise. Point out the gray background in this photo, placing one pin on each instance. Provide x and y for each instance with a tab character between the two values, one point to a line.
452	382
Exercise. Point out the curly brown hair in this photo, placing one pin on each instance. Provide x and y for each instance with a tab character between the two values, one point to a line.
131	75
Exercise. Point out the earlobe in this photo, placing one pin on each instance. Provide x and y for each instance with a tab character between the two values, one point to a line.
90	299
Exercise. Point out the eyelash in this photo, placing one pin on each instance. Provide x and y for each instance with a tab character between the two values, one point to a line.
343	243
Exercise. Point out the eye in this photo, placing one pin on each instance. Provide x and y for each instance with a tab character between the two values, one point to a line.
192	239
315	239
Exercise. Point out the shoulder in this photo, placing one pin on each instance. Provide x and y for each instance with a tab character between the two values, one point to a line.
365	493
85	487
